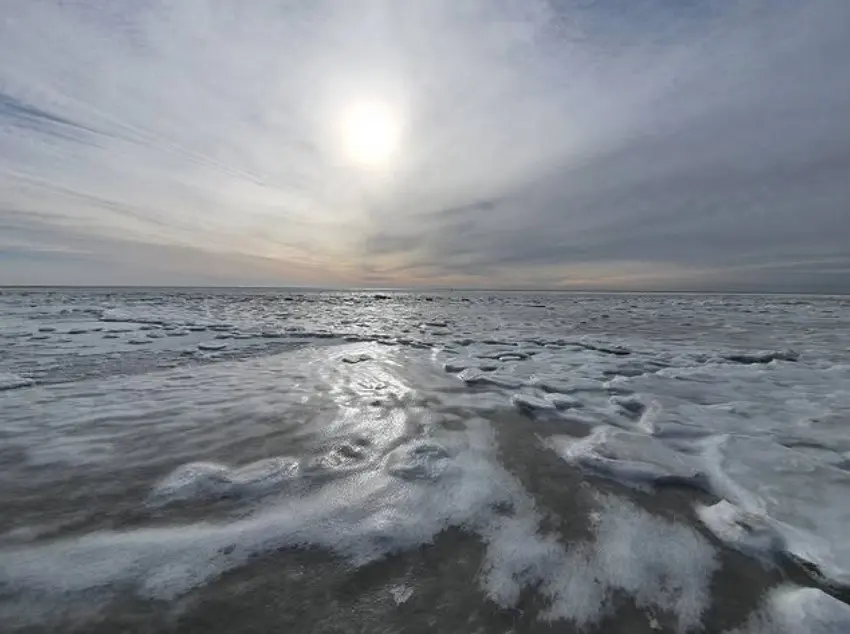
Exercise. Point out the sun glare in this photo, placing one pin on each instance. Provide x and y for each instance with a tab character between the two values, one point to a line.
371	133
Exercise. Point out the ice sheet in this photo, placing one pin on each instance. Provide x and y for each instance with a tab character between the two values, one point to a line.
744	398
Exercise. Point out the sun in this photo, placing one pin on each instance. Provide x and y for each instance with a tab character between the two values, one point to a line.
371	133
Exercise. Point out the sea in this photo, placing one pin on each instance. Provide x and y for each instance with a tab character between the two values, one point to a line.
266	460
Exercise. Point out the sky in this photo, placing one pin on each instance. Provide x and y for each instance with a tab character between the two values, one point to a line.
573	144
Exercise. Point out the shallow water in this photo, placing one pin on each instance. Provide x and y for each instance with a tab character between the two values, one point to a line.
229	461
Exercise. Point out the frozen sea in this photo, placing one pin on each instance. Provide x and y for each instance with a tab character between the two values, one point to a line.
244	460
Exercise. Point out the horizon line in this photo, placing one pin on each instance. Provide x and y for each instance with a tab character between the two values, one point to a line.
412	289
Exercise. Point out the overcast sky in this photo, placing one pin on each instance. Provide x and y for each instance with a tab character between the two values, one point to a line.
631	144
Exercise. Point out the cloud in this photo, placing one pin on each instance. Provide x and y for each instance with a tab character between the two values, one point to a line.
642	144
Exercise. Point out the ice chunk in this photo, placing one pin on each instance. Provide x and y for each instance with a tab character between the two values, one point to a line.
9	381
116	314
629	405
421	460
747	532
474	376
810	610
263	472
531	403
506	355
212	346
802	498
762	356
194	480
453	367
573	386
631	458
205	480
563	401
606	348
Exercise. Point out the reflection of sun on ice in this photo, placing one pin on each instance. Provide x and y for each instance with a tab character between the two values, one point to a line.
371	132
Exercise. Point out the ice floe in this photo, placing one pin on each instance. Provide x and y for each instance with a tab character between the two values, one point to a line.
200	481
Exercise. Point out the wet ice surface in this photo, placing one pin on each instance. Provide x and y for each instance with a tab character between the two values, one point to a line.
464	462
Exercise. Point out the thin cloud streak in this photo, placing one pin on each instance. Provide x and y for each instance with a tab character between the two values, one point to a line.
646	144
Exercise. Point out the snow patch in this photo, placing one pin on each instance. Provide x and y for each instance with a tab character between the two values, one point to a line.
670	572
